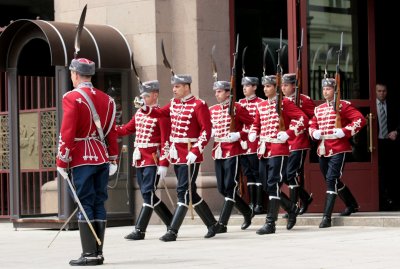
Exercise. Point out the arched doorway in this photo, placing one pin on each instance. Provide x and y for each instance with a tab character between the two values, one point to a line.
35	55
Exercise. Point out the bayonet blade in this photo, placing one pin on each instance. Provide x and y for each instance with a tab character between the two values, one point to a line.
77	43
265	59
165	60
237	44
339	52
243	65
328	57
279	51
214	65
235	55
301	38
300	47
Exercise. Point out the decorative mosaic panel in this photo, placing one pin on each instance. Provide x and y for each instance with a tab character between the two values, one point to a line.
4	146
48	138
28	140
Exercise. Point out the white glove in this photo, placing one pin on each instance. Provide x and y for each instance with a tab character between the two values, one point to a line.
162	171
317	134
140	103
252	137
191	158
338	132
113	169
233	137
212	132
282	136
63	172
243	144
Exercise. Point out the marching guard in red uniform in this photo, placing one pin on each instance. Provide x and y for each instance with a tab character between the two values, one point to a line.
89	156
333	143
149	158
190	133
298	146
273	150
226	152
249	160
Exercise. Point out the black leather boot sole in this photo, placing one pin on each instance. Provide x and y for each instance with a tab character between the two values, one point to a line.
86	260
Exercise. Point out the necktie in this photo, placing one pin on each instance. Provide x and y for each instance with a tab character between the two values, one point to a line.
383	120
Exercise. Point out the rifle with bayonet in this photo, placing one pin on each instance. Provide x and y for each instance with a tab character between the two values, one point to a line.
336	98
298	72
279	97
232	97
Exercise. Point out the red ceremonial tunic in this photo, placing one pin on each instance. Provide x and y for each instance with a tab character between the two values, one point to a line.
151	139
79	142
324	119
221	122
251	105
302	141
266	124
190	127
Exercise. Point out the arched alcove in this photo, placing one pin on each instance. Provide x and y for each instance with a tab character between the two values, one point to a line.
35	55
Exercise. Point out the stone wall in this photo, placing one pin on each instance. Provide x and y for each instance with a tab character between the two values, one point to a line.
189	29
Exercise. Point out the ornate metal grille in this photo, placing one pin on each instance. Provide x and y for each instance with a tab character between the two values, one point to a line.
48	138
4	148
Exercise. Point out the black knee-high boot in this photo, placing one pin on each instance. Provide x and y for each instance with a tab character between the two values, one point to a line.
272	216
224	216
251	188
141	223
291	208
329	204
163	212
259	207
245	210
89	247
100	228
207	217
294	194
349	200
176	222
306	199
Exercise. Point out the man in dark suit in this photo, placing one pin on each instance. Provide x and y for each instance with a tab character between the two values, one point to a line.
388	144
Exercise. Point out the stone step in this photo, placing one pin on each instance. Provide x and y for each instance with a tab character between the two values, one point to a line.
373	219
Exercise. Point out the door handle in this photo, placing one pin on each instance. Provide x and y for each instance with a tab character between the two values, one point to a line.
370	139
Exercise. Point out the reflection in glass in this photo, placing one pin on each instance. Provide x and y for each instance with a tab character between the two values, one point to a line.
326	21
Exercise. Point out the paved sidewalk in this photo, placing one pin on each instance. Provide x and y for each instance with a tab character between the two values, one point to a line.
303	247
